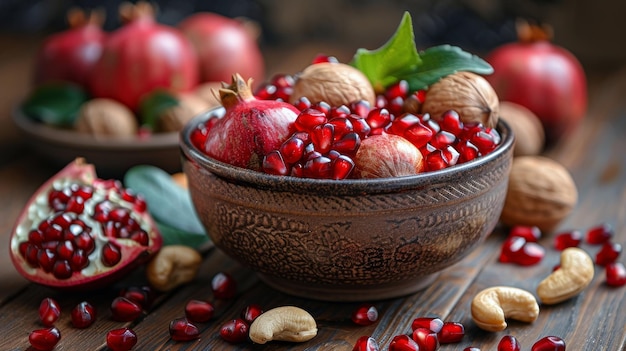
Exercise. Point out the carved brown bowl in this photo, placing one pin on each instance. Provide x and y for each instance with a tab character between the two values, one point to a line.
348	240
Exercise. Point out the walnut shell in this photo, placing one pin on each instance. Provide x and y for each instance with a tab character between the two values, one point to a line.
541	192
175	118
335	83
469	94
527	128
106	117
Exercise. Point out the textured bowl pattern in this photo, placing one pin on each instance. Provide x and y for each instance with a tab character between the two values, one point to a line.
350	239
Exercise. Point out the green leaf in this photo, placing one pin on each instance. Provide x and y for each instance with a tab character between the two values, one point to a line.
56	104
168	203
173	236
153	105
440	61
392	61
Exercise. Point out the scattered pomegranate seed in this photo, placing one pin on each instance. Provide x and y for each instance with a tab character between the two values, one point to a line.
518	251
403	343
433	323
49	311
250	313
44	339
609	252
139	295
234	331
451	332
567	239
549	343
530	233
223	286
471	348
615	274
83	315
366	343
122	339
509	343
199	311
125	310
599	234
365	314
426	339
181	329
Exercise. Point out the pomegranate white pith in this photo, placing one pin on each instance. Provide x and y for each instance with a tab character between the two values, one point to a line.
106	214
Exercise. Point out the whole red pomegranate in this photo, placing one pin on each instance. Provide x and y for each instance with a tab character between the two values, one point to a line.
225	46
78	232
543	77
250	128
143	56
71	55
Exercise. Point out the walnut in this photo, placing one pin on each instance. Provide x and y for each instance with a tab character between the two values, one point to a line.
176	117
209	93
541	192
526	126
335	83
469	94
106	117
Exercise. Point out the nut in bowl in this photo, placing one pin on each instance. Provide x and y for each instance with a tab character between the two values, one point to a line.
351	239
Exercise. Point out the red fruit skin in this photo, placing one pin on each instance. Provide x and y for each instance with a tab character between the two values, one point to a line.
70	55
224	47
132	256
543	77
140	57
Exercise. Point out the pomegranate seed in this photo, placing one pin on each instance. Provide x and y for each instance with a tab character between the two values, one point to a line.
182	329
341	127
433	323
49	311
234	331
44	339
398	89
609	252
125	310
615	274
266	92
223	286
321	58
360	108
323	107
509	343
378	118
529	233
140	237
273	163
342	167
467	151
360	126
111	254
308	119
84	241
395	106
549	343
567	239
322	137
451	332
451	122
365	314
199	311
319	167
471	348
426	339
142	296
518	251
250	313
65	250
484	141
442	139
292	149
83	315
46	259
436	161
62	269
122	339
282	80
339	112
599	234
348	144
403	343
451	155
366	343
283	93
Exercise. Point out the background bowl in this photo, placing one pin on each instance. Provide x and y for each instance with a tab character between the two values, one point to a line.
348	240
111	156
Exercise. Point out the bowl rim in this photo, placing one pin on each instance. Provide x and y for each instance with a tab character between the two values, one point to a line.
338	187
73	139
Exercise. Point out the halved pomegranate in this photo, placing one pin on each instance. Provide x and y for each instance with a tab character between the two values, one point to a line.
79	232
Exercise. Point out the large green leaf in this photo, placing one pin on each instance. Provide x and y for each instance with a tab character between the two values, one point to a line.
56	104
395	59
440	61
168	203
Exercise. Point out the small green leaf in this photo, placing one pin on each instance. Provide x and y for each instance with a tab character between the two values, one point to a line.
392	61
440	61
153	105
168	203
55	104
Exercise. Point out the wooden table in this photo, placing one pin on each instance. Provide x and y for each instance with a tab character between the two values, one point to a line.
594	320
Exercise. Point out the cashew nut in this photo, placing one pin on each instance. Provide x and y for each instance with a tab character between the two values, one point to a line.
285	323
492	306
574	275
173	266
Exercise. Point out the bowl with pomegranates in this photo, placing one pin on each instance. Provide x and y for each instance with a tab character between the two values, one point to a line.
350	239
